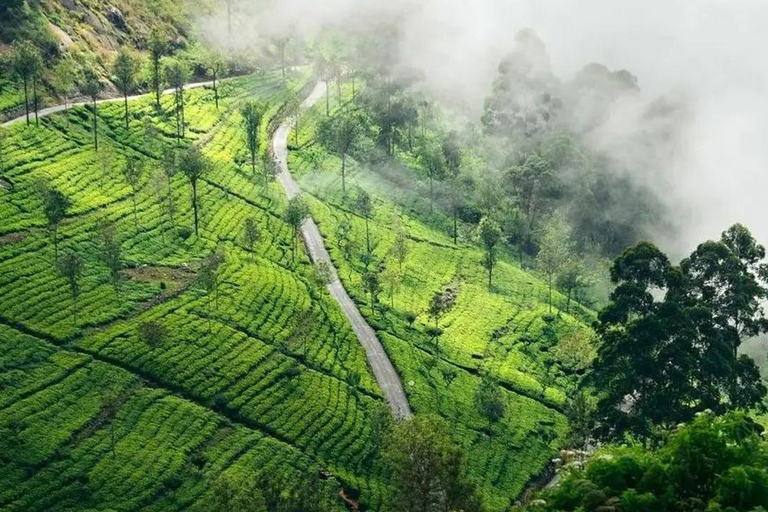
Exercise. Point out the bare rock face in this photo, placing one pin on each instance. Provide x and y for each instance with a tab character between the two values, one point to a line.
116	18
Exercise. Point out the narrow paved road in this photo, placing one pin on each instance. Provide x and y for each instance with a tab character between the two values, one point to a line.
45	112
386	376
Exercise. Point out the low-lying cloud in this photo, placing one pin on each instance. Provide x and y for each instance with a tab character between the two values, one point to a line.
704	56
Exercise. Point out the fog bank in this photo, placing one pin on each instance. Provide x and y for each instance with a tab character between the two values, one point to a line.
705	55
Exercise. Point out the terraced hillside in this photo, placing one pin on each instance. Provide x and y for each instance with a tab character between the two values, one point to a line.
239	384
507	333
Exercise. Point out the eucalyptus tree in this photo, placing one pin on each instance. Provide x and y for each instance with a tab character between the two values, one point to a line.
124	71
55	206
490	235
554	251
432	159
170	166
27	64
364	207
216	65
252	113
70	267
295	214
251	234
111	252
158	48
177	74
452	158
340	134
193	165
92	87
209	274
133	170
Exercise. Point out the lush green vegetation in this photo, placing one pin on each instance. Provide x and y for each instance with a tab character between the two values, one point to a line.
714	464
506	332
249	355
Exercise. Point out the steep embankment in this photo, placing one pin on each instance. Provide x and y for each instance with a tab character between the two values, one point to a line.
80	34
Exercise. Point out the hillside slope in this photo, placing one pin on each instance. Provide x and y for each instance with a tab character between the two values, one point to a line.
248	360
507	333
82	34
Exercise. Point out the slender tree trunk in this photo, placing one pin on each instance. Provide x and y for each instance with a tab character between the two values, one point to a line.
194	205
367	236
183	116
327	99
135	215
215	91
353	88
34	90
550	293
125	99
282	60
490	269
95	126
26	98
431	191
338	89
55	244
156	62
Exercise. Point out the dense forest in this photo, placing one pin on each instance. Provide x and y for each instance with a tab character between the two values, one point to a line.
250	264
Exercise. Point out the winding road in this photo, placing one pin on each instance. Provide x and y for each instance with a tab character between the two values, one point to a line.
386	376
45	112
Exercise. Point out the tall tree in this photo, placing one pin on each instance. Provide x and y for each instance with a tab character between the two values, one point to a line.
170	166
110	251
364	207
70	267
452	158
133	170
433	160
250	234
400	247
193	165
216	65
27	64
92	87
340	134
372	285
177	74
489	401
124	71
535	186
55	206
490	236
670	335
208	276
65	80
252	113
295	214
282	44
158	48
554	250
427	467
324	72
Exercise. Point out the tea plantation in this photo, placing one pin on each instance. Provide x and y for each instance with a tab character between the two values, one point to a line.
238	386
506	333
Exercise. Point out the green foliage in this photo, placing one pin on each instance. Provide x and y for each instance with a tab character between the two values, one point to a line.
713	464
427	470
670	336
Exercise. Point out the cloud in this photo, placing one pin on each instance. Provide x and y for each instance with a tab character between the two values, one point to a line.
706	55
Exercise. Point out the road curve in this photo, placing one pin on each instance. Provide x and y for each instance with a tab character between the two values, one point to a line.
45	112
386	376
